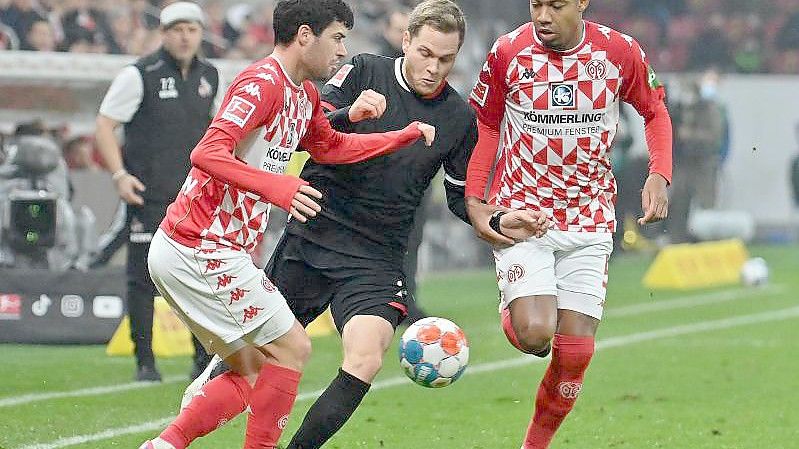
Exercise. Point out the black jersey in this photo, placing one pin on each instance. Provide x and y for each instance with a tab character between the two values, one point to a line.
368	208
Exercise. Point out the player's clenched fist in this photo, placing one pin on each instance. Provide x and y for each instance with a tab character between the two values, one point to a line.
368	105
303	206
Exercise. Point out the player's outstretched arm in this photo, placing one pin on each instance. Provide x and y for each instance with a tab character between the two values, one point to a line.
214	155
328	146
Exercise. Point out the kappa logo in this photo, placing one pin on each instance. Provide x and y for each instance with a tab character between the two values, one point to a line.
515	272
253	90
238	111
528	74
188	185
596	69
266	77
562	95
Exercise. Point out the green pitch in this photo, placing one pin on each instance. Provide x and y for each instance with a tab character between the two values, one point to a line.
709	369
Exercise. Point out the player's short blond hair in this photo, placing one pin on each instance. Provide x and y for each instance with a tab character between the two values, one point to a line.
441	15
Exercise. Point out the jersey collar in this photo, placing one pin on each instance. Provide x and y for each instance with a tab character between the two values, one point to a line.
285	73
399	75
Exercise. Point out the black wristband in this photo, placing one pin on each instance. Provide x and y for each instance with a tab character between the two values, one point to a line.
493	222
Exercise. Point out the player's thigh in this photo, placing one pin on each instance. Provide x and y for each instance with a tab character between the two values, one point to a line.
525	269
582	274
365	335
221	295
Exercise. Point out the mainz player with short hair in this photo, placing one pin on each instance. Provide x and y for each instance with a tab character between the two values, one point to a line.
548	97
199	258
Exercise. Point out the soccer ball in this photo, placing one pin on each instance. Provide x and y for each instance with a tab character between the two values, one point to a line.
434	352
754	272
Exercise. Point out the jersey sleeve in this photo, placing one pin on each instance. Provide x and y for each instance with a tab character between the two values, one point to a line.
340	92
641	88
455	166
488	100
488	95
328	146
251	101
125	95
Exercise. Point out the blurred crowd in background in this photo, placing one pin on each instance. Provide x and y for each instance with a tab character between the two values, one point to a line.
705	39
740	36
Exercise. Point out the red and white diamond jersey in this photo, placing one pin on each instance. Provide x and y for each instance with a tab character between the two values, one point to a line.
263	119
557	114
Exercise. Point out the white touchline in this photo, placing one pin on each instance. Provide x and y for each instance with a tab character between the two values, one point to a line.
631	310
36	397
611	342
692	301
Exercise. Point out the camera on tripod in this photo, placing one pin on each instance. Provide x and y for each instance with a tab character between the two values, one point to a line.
38	226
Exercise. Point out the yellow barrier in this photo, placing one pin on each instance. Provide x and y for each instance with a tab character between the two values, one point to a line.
697	265
172	338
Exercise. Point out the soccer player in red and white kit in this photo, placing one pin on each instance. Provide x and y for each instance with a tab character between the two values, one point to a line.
200	257
548	97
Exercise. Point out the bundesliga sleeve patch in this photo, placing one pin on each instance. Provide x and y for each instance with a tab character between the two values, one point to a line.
238	111
340	76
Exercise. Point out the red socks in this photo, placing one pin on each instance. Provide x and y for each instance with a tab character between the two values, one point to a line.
219	401
270	404
559	389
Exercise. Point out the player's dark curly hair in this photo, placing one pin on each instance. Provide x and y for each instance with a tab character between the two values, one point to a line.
289	15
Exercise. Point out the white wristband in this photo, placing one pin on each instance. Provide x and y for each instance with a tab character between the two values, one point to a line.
118	174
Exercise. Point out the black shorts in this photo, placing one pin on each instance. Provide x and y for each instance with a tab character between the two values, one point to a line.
312	278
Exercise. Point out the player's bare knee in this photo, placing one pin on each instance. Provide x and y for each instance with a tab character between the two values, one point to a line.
534	334
364	366
301	350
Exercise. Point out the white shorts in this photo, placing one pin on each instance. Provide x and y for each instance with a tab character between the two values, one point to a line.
221	296
573	266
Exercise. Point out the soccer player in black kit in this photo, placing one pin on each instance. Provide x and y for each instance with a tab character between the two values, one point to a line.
350	256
